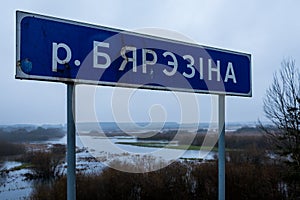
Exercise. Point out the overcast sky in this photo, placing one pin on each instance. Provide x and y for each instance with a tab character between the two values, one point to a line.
268	30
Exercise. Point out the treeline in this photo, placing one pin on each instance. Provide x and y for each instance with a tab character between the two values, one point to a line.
24	135
245	179
11	140
242	138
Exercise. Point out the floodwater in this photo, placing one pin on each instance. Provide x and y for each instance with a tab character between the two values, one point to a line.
14	186
12	183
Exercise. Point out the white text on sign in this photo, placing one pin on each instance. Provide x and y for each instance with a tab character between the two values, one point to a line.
193	66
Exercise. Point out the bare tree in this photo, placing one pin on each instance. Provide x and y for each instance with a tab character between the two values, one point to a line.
282	108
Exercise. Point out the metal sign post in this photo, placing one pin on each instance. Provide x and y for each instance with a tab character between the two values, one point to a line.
221	146
71	142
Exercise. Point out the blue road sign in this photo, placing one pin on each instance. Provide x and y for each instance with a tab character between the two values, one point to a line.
53	49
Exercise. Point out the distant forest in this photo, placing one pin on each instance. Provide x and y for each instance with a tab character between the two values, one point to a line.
245	137
25	135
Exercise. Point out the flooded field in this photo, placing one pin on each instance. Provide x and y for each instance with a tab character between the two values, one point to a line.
14	185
